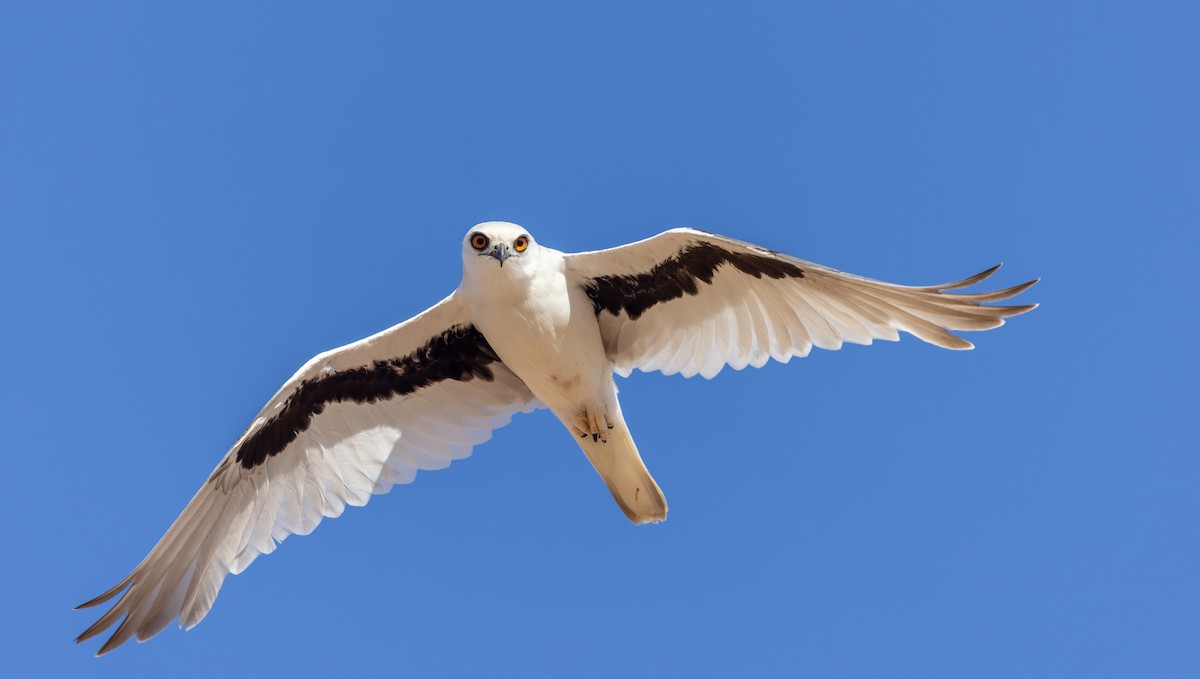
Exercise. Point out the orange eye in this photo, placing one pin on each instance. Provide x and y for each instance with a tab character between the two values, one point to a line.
520	244
479	241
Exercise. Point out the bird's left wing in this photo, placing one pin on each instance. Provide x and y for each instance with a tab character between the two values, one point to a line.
352	422
691	302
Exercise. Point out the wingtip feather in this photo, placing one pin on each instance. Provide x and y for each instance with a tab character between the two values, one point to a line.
968	281
110	593
1017	310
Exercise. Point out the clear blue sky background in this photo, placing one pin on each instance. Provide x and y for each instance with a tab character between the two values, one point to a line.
193	201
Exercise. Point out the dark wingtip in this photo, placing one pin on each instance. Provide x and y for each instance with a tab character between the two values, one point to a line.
1010	311
998	295
968	281
116	589
106	648
94	602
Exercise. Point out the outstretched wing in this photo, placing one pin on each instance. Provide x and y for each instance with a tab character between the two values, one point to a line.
352	422
691	302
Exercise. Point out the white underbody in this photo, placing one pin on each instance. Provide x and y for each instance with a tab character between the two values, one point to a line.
545	330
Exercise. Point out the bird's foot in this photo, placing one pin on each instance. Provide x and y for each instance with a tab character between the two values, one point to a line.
592	420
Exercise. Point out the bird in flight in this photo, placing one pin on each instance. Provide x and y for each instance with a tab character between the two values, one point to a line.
528	327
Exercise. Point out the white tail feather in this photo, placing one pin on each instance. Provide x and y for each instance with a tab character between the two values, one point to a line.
619	464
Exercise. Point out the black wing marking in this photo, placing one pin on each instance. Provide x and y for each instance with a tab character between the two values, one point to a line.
679	275
460	353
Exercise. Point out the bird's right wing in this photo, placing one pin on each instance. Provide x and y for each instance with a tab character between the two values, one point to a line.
352	422
691	302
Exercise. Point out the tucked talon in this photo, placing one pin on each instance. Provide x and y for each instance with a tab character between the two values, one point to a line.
593	419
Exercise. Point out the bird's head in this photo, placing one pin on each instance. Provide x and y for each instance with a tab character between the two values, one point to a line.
497	245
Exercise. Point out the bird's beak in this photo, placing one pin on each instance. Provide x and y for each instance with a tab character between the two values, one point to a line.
500	252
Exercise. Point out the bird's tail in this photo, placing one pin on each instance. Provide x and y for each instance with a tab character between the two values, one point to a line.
619	464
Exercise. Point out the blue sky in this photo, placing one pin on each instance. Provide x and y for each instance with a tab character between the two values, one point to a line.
195	200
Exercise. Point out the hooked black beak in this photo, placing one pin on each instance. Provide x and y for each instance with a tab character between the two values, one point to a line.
500	252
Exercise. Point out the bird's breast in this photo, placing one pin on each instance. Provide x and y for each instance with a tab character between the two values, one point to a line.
549	337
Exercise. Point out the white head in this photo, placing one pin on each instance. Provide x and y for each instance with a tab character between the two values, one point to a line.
497	245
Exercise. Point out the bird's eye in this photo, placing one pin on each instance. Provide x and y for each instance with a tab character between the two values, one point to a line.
520	244
479	241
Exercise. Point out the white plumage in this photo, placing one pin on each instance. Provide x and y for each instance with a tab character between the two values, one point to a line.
528	327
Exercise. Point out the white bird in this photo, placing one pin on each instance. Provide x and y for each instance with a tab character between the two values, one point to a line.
528	327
